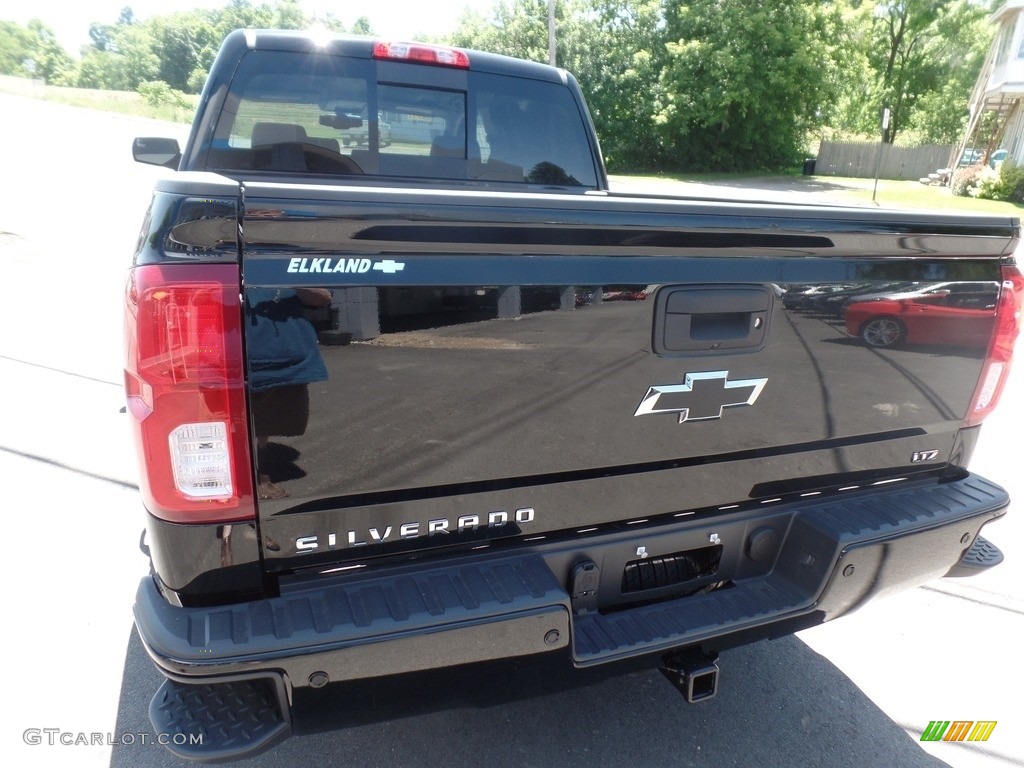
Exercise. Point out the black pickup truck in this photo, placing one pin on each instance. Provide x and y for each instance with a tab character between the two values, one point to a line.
445	398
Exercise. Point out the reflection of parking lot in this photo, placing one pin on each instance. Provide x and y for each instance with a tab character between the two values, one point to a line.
955	316
567	383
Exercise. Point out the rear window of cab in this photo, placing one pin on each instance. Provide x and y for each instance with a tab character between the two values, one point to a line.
297	113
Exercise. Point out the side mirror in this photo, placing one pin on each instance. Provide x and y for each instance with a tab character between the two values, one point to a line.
157	151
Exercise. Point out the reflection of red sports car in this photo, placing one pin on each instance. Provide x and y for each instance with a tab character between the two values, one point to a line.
626	296
949	319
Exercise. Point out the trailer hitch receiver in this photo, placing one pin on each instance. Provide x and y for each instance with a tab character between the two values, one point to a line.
693	672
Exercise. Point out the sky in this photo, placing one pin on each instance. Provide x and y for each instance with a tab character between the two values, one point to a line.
396	19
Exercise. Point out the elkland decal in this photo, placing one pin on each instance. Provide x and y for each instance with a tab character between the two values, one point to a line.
701	396
958	730
321	266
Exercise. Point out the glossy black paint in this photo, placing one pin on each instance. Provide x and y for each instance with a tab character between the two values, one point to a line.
223	561
178	228
487	375
456	403
454	228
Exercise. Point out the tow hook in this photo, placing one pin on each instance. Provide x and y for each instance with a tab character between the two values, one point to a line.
693	672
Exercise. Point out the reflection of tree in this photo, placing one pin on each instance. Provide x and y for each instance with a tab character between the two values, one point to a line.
284	359
549	173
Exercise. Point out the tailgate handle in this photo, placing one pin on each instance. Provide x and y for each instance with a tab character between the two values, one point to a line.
711	319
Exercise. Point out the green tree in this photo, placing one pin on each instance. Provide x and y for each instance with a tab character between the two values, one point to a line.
941	114
362	26
16	46
95	70
33	51
136	60
101	36
513	28
129	60
242	14
616	50
178	48
328	21
157	93
923	57
288	15
185	44
745	82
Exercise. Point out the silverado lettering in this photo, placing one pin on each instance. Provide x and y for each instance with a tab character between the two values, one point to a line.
318	428
414	530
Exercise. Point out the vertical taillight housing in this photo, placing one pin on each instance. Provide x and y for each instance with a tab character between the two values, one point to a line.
184	379
1000	351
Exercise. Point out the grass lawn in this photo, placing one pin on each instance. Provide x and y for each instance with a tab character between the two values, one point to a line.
838	190
122	102
913	194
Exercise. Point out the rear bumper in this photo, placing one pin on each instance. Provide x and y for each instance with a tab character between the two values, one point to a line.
823	558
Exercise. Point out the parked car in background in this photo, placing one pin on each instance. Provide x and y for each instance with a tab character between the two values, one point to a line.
998	158
359	134
836	303
971	156
805	298
942	317
627	294
916	289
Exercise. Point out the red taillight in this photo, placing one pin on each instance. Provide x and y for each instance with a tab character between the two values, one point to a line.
997	363
422	54
184	380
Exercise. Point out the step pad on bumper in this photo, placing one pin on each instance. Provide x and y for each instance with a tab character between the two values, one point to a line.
982	555
223	721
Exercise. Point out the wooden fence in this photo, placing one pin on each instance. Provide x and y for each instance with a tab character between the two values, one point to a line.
860	158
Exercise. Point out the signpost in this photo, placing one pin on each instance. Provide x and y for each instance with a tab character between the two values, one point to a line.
881	146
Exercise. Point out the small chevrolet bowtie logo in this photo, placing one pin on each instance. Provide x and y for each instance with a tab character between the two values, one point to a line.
389	267
700	396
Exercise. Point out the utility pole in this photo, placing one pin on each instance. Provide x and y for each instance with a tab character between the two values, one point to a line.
551	32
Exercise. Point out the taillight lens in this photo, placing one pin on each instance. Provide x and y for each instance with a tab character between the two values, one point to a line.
997	363
184	380
422	54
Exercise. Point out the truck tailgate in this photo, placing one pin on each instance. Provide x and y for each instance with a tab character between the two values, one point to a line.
445	369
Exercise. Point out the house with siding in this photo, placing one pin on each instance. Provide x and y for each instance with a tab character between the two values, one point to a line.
996	108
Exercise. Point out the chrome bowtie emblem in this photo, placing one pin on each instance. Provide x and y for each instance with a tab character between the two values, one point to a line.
700	396
389	266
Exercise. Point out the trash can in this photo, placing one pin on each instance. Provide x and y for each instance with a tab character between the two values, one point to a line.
809	164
